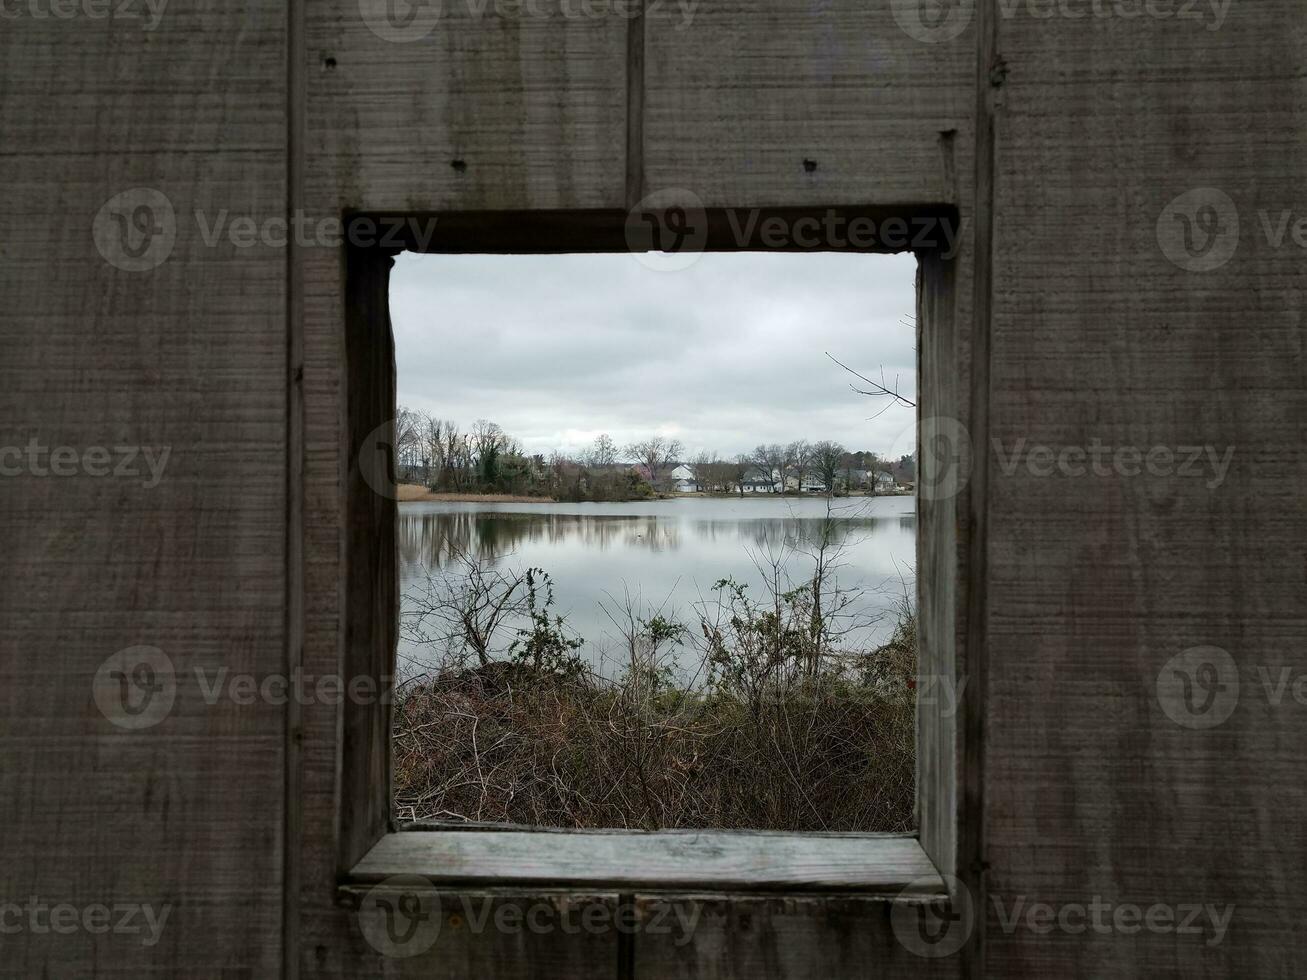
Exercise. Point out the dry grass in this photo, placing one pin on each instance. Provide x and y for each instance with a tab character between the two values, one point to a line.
791	751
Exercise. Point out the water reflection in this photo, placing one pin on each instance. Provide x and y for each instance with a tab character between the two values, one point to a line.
670	551
433	537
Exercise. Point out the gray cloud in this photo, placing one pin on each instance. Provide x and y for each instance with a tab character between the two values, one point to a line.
723	355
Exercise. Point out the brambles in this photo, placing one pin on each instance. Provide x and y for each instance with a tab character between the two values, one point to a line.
771	725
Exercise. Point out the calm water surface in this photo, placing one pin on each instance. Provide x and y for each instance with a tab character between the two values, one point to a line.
669	552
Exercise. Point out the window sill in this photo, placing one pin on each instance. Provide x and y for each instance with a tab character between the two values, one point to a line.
883	866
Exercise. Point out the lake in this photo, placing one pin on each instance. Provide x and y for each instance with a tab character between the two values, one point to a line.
668	552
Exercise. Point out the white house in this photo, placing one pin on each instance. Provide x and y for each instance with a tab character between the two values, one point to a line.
811	483
681	479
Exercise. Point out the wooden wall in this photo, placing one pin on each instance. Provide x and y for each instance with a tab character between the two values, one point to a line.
1061	140
1095	583
189	355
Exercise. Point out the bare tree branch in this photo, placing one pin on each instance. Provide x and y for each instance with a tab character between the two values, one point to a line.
879	388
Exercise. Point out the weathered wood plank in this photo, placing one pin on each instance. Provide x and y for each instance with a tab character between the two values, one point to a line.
497	111
184	815
776	103
1097	581
749	938
672	860
456	933
471	108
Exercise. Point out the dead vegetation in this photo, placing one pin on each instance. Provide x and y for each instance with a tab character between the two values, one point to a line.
778	727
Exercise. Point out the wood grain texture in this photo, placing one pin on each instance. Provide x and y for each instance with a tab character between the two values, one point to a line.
386	125
1097	124
673	861
748	938
534	109
942	574
190	356
372	574
1097	581
739	95
486	933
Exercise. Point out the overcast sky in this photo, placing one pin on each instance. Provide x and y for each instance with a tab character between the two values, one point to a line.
723	355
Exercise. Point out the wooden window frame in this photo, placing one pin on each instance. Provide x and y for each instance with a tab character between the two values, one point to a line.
372	847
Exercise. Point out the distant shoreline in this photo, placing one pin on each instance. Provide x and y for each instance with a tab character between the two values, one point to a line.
412	493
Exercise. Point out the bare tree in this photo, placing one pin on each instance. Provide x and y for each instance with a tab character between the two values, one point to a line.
738	471
769	460
826	459
656	455
701	470
720	475
456	456
408	442
877	389
431	434
872	465
469	608
603	453
489	443
799	456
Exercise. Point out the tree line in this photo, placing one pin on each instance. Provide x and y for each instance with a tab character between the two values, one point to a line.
483	458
